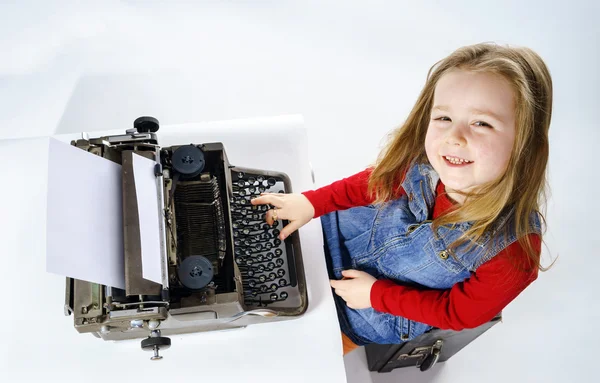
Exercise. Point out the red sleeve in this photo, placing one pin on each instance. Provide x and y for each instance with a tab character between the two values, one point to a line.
340	195
343	194
467	304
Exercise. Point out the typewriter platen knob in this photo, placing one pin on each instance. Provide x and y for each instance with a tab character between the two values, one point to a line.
155	343
146	124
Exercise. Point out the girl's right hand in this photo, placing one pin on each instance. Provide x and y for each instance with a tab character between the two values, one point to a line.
295	208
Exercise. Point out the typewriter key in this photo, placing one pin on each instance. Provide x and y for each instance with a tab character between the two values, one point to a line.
279	262
278	252
274	297
282	282
280	272
277	242
271	181
283	295
272	276
240	175
263	288
274	287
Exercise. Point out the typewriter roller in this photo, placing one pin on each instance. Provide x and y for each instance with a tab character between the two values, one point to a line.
223	265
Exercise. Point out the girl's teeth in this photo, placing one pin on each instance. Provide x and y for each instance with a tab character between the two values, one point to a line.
457	161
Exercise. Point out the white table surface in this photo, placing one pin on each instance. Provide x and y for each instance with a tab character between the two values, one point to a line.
40	343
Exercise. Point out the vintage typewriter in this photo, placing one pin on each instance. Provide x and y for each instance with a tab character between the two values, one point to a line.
223	265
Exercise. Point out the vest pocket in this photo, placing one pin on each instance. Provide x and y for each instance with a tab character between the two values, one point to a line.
436	250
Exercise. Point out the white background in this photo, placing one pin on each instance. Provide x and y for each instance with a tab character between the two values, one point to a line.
353	70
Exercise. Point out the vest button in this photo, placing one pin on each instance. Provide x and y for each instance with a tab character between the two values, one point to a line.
443	254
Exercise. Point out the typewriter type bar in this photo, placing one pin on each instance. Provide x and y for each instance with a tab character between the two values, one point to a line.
223	265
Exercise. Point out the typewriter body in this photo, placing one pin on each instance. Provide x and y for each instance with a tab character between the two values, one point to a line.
223	266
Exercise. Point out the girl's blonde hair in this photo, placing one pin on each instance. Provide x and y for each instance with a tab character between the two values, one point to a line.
523	185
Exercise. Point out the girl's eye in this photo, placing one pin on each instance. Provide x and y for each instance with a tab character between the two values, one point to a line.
482	124
443	119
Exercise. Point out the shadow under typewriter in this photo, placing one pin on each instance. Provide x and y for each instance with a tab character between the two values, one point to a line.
223	265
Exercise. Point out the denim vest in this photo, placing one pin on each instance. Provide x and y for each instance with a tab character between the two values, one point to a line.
396	241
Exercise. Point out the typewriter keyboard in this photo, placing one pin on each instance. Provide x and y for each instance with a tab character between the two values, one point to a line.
267	270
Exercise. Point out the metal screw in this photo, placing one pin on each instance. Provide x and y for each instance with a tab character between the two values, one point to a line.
156	356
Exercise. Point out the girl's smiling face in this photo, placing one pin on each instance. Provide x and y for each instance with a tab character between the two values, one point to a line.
472	129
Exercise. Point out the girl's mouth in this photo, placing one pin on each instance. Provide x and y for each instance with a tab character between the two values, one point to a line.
456	162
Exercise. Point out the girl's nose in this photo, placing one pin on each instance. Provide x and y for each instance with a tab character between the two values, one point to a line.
456	137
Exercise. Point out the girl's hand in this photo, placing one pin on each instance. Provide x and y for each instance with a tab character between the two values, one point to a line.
296	208
355	288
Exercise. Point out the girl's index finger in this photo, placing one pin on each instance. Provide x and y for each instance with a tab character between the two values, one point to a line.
262	200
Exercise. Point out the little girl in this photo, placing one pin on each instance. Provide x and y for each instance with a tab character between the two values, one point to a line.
445	230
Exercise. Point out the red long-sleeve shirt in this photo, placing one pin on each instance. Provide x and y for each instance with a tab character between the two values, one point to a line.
467	304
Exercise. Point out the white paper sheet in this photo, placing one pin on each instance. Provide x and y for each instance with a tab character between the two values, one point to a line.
84	232
148	210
